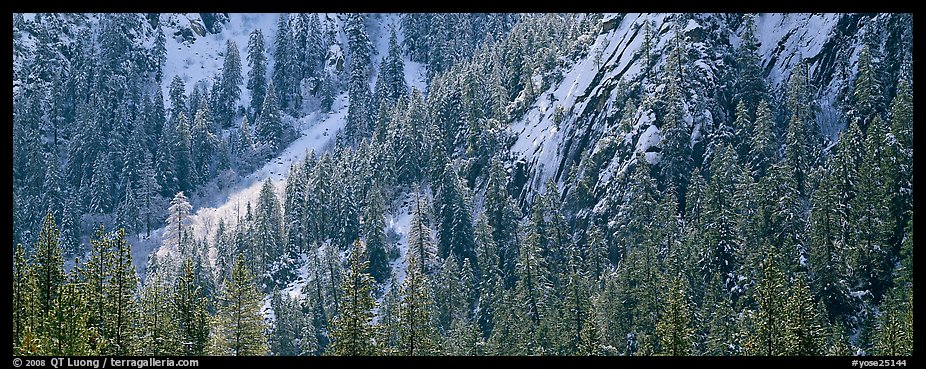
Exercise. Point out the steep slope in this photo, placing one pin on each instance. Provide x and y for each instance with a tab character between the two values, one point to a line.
594	92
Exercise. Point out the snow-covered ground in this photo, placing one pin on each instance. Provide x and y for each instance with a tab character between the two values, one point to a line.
203	58
318	131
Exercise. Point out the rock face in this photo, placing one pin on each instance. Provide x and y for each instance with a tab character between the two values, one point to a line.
590	139
190	26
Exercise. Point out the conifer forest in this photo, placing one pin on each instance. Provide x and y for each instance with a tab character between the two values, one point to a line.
300	184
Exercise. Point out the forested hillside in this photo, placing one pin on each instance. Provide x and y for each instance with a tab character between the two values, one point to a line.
462	184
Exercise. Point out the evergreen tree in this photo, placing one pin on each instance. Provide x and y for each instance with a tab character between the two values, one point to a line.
797	154
25	304
166	161
283	60
101	186
49	266
769	322
192	318
388	328
230	85
390	83
257	80
183	154
894	332
421	247
871	226
749	84
292	334
157	327
69	334
827	253
245	143
577	308
269	242
121	306
178	223
269	126
806	326
867	94
374	230
718	320
899	157
674	326
239	325
455	230
147	193
502	217
762	149
417	332
721	226
352	329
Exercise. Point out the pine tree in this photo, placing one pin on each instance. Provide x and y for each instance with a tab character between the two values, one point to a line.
899	157
453	209
374	226
388	328
204	146
269	126
769	321
121	311
245	143
147	193
502	217
718	320
230	87
417	331
94	273
183	150
69	334
177	97
390	83
806	326
513	325
533	285
157	327
676	141
101	186
421	247
749	84
359	45
871	223
239	325
335	275
577	307
49	265
192	318
352	329
269	242
867	93
826	252
292	334
25	305
720	213
178	223
283	60
894	332
257	80
762	149
674	326
166	161
797	151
